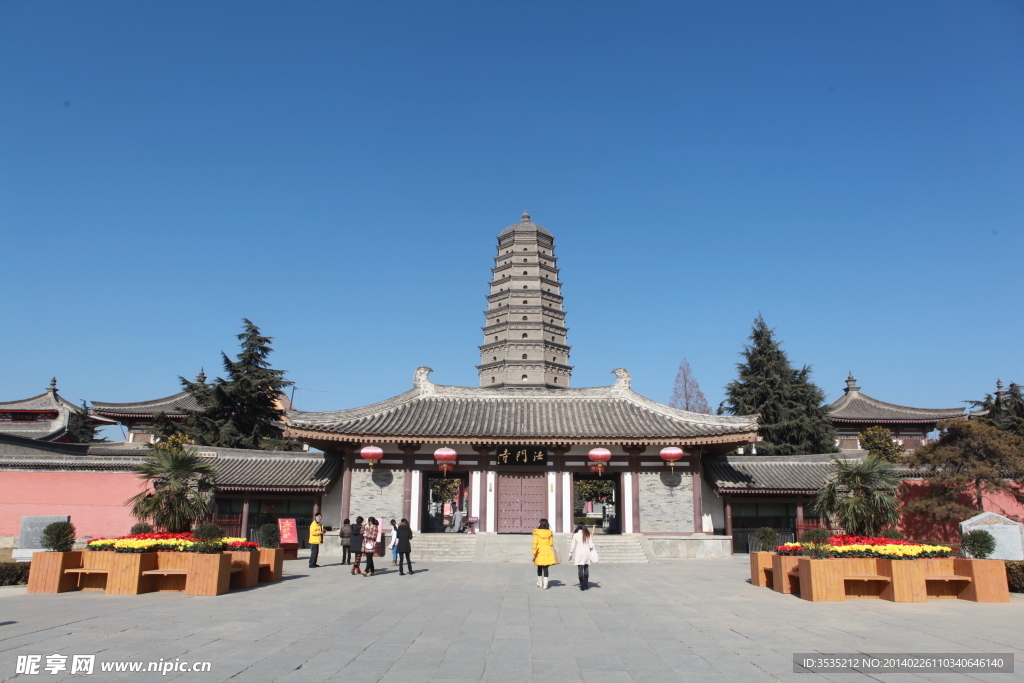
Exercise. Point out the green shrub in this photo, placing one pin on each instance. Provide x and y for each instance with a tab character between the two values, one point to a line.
1015	576
815	542
208	546
207	531
766	539
978	544
141	528
270	536
13	573
894	534
59	537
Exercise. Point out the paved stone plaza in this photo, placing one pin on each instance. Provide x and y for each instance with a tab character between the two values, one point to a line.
670	621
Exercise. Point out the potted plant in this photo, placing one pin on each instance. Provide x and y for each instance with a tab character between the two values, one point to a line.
766	539
47	574
271	554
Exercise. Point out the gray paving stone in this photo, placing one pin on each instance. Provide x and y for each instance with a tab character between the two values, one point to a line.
695	620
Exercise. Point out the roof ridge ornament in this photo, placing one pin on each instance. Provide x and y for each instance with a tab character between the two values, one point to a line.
53	385
526	217
851	383
623	382
421	380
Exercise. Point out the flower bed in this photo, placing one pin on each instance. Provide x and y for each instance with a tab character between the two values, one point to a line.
866	546
164	542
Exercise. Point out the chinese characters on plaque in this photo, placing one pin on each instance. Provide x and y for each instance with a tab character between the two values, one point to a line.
522	455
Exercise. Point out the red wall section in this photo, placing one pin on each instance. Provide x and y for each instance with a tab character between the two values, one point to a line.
95	500
917	527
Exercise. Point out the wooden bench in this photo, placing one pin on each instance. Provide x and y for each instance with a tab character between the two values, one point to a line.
164	572
945	577
866	577
86	570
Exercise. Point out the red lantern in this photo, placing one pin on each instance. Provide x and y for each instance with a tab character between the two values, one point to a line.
670	455
446	459
371	454
599	456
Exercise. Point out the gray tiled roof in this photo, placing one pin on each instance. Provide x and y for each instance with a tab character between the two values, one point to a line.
525	225
611	414
49	430
12	444
796	473
853	406
237	469
173	406
778	474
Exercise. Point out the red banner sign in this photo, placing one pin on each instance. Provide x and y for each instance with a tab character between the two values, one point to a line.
289	532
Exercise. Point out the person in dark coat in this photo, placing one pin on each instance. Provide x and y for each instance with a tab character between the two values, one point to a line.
404	545
355	542
346	539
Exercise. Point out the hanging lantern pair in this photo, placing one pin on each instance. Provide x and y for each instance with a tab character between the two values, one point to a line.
446	458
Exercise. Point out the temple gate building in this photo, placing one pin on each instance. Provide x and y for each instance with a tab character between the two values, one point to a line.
523	436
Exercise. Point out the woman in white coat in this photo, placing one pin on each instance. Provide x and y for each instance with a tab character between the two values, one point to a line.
582	553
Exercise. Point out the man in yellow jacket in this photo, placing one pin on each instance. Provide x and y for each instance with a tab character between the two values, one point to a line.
316	537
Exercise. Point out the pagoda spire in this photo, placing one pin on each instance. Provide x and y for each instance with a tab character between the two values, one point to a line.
524	328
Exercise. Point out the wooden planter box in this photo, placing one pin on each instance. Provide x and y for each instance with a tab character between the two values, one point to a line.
208	574
761	569
249	562
839	579
116	573
271	564
46	574
782	580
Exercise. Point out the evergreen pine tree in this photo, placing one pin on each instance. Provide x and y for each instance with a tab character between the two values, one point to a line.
793	414
240	411
81	428
1004	409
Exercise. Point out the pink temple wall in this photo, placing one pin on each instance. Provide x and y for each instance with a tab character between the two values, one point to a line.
917	528
95	500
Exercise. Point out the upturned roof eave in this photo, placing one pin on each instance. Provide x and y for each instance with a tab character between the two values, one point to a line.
343	437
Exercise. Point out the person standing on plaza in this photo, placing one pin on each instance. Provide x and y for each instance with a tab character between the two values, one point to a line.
371	537
394	543
356	544
316	537
582	553
543	552
404	546
346	538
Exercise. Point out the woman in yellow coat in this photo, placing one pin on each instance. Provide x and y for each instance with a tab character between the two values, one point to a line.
543	552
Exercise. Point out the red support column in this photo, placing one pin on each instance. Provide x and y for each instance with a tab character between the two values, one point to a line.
408	450
346	482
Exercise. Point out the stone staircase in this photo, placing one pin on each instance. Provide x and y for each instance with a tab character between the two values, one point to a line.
619	549
443	547
515	548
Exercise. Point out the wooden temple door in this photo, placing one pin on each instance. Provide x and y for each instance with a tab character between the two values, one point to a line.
522	501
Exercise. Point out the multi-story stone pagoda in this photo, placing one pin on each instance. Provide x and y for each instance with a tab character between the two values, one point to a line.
524	331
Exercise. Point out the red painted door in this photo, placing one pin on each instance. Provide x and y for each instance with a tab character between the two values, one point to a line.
522	502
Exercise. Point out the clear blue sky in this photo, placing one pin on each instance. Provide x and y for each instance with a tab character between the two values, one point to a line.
338	173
